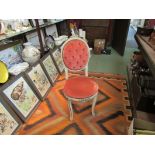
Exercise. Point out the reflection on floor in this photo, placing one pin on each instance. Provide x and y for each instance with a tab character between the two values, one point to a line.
113	112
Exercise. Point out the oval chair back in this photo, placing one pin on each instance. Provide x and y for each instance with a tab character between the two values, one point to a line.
75	55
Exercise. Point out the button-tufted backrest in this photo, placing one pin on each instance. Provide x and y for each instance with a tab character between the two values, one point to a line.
75	54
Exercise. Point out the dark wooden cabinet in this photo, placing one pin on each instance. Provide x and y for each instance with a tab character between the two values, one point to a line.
95	22
97	29
142	96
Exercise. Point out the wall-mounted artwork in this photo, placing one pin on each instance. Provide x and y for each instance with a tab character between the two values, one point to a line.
38	80
9	122
52	30
20	96
33	38
11	55
56	55
49	68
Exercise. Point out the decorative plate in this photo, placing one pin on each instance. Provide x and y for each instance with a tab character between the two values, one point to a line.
4	75
50	42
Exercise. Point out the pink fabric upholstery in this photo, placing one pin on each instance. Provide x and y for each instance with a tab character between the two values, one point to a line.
80	87
75	54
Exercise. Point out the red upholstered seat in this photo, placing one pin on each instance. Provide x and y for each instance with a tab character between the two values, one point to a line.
80	87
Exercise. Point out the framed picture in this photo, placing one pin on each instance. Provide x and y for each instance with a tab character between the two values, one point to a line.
20	96
38	80
11	54
52	30
34	39
9	121
56	56
99	45
49	68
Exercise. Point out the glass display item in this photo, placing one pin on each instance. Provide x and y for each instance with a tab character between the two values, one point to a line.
4	75
30	53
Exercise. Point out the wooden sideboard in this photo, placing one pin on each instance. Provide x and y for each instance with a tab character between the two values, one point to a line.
135	94
147	50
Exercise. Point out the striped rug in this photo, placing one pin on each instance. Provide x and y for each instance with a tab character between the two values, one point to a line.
113	111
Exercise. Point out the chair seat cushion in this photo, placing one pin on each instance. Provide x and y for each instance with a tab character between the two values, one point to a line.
80	87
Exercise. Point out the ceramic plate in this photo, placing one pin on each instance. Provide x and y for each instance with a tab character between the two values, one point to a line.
49	40
4	75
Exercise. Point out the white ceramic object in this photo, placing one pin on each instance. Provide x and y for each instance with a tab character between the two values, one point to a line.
30	53
60	40
18	68
2	28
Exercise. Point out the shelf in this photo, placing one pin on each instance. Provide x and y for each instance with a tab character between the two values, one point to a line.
14	34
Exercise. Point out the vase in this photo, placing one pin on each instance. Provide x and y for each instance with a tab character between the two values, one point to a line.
2	28
30	53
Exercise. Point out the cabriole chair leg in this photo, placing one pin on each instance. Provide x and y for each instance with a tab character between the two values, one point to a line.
93	105
70	109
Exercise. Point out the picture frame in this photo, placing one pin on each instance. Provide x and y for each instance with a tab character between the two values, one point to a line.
99	45
56	56
9	121
10	53
20	96
52	30
38	80
34	39
49	68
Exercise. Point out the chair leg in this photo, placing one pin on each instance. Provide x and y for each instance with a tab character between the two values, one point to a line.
70	109
93	105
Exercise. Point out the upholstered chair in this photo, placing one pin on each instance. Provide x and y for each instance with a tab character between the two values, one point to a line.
75	55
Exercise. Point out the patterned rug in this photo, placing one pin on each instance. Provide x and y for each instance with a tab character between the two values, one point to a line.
113	111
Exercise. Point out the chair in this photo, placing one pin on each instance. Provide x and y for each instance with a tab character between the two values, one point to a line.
75	55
